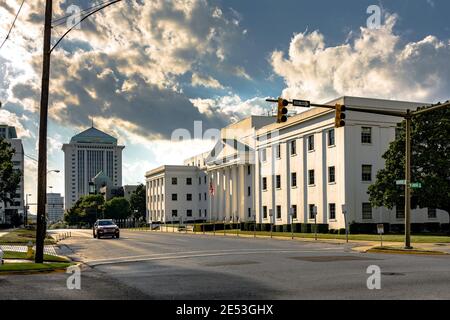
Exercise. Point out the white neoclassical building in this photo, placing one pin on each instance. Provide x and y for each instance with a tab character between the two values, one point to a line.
176	194
269	172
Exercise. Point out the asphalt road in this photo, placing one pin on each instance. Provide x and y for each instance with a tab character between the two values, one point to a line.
154	265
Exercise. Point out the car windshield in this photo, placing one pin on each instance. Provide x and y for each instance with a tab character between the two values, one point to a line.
105	223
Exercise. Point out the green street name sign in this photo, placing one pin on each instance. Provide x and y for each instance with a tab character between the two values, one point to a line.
416	185
401	182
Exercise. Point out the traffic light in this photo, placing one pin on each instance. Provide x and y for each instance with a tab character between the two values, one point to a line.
340	116
282	110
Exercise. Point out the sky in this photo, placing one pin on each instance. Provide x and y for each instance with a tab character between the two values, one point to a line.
142	69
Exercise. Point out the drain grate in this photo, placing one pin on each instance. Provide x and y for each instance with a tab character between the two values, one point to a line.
331	258
392	274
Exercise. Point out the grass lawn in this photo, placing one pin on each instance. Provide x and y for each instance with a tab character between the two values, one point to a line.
23	255
363	237
10	267
22	236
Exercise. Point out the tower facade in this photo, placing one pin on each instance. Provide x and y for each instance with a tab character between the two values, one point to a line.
87	154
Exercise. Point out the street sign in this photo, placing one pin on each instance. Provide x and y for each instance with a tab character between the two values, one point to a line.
401	182
416	185
301	103
380	228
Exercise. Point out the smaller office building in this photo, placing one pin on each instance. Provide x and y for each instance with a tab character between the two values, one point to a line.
55	207
177	194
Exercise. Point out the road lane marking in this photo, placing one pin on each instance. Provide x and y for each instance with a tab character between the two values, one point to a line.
188	255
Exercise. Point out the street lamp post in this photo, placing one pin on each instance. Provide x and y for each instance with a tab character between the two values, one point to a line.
25	222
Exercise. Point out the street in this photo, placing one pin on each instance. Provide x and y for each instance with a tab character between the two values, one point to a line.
155	265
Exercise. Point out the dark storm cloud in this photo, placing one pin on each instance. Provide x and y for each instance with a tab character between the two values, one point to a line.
155	111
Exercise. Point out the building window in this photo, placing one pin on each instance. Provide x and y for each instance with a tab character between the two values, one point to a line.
199	197
294	179
366	211
249	212
263	155
278	148
189	197
331	174
265	212
249	191
205	195
332	209
264	183
432	213
311	143
293	147
278	212
174	181
199	212
249	170
400	212
311	211
278	181
311	177
199	180
174	197
206	213
174	213
366	172
205	179
189	181
366	135
294	211
189	213
331	138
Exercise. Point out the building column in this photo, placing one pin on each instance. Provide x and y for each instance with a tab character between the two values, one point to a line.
227	192
220	194
242	195
234	191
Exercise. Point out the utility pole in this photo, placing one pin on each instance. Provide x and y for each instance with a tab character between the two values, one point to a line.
42	164
408	181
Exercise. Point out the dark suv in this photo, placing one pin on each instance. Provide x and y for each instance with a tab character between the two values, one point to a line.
105	227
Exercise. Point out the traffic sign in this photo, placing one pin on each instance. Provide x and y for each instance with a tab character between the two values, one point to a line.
380	228
301	103
401	182
416	185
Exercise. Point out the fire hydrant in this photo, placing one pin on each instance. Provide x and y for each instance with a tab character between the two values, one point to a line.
30	252
1	256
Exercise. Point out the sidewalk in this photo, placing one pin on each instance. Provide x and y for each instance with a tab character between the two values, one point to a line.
357	245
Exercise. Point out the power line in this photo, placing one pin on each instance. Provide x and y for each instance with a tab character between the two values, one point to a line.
12	26
64	19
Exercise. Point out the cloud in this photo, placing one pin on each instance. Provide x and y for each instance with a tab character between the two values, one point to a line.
240	72
205	81
13	120
232	106
376	64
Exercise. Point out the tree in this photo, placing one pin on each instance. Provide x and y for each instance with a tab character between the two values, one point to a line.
137	202
86	210
430	164
9	177
117	208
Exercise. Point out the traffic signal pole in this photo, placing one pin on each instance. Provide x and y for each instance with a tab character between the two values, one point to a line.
408	115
